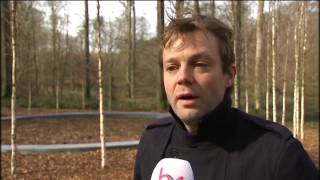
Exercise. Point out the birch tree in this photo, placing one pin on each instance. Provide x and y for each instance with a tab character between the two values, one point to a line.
268	68
258	55
296	72
246	71
304	44
237	26
285	79
13	95
100	76
179	7
273	47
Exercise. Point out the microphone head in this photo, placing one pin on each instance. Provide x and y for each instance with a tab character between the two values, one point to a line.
172	169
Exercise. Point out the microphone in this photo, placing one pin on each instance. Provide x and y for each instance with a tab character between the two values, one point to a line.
172	169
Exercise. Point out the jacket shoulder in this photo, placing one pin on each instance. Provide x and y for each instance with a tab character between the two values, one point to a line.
267	125
161	122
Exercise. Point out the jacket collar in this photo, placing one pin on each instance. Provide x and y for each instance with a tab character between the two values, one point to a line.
216	124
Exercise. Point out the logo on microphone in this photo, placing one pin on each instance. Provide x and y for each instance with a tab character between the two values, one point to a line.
172	169
167	176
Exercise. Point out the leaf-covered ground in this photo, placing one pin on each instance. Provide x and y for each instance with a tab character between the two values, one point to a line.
86	165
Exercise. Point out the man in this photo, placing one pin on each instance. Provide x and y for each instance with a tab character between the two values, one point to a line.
218	141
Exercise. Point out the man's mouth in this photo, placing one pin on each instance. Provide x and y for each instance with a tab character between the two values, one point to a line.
187	99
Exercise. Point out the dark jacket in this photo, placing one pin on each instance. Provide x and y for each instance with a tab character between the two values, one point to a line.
241	147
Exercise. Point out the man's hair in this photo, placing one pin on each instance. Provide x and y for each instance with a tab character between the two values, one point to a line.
180	27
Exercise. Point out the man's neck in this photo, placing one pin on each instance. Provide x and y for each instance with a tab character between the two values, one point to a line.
191	129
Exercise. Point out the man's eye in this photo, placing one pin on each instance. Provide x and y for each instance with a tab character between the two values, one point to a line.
201	65
171	68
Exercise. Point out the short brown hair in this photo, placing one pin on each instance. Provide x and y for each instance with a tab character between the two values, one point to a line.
178	27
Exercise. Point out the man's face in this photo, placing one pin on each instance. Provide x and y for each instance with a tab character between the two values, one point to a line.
193	77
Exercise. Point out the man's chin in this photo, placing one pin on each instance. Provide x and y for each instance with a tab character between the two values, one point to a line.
189	116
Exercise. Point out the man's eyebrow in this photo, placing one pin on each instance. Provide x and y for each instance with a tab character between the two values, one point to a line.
201	55
170	60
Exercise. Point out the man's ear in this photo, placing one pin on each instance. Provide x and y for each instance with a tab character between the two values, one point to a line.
231	75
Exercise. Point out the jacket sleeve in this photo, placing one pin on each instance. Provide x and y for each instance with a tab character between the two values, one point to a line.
295	164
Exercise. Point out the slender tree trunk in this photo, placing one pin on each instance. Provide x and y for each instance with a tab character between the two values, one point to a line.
236	86
258	55
273	45
285	79
100	75
87	59
8	47
268	73
129	4
160	93
304	36
237	23
13	95
179	8
196	7
246	72
296	81
213	8
133	50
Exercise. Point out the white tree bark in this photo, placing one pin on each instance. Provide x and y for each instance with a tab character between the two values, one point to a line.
285	79
268	69
237	24
13	95
304	35
258	55
100	76
246	71
236	98
296	80
274	104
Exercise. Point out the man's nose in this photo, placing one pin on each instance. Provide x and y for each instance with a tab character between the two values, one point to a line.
184	76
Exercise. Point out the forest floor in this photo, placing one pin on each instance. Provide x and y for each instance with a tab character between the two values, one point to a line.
86	165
